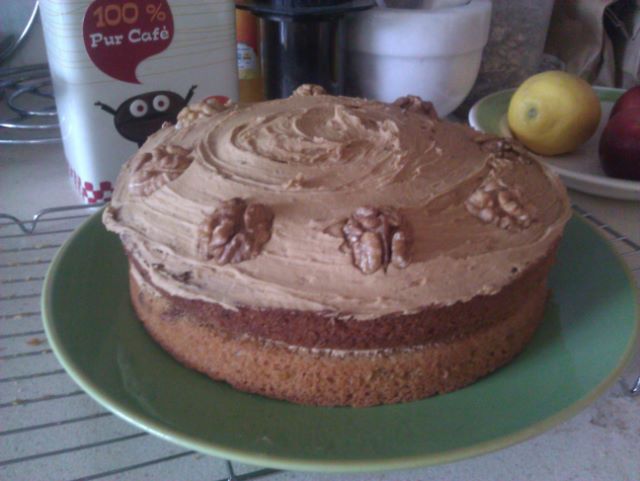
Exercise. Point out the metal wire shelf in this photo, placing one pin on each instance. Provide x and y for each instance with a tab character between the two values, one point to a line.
28	125
41	236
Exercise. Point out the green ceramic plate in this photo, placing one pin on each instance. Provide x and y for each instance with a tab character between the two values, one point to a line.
587	336
580	169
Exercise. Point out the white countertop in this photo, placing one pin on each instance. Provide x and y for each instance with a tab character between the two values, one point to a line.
49	429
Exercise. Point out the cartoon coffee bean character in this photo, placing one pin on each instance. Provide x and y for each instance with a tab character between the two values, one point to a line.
138	117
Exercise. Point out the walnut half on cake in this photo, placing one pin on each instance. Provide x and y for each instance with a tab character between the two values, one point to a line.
337	251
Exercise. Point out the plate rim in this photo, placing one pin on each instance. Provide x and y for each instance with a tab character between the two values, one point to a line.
167	433
627	189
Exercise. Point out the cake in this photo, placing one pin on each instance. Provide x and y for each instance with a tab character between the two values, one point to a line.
337	251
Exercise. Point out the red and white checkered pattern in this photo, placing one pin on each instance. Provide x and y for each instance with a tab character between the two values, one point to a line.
91	194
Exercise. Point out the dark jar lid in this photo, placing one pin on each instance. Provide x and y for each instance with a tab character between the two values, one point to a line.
303	8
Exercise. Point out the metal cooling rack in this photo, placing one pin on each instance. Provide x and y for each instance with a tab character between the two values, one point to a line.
50	429
28	112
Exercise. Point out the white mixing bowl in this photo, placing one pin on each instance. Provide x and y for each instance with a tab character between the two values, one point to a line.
431	53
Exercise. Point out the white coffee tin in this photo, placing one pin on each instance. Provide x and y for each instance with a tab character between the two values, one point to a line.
121	68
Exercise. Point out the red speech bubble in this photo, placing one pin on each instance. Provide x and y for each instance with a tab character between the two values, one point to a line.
119	34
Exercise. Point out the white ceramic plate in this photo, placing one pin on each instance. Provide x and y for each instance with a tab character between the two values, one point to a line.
580	170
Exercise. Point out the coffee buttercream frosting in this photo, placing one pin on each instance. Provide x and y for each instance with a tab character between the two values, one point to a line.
464	213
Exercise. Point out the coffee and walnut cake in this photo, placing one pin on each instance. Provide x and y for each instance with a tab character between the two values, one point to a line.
337	251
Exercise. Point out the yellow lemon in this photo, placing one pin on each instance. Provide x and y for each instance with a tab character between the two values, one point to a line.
554	112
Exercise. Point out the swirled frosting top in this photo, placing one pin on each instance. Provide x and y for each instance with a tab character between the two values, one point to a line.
479	210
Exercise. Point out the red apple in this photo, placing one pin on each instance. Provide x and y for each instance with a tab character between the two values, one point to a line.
620	145
630	100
